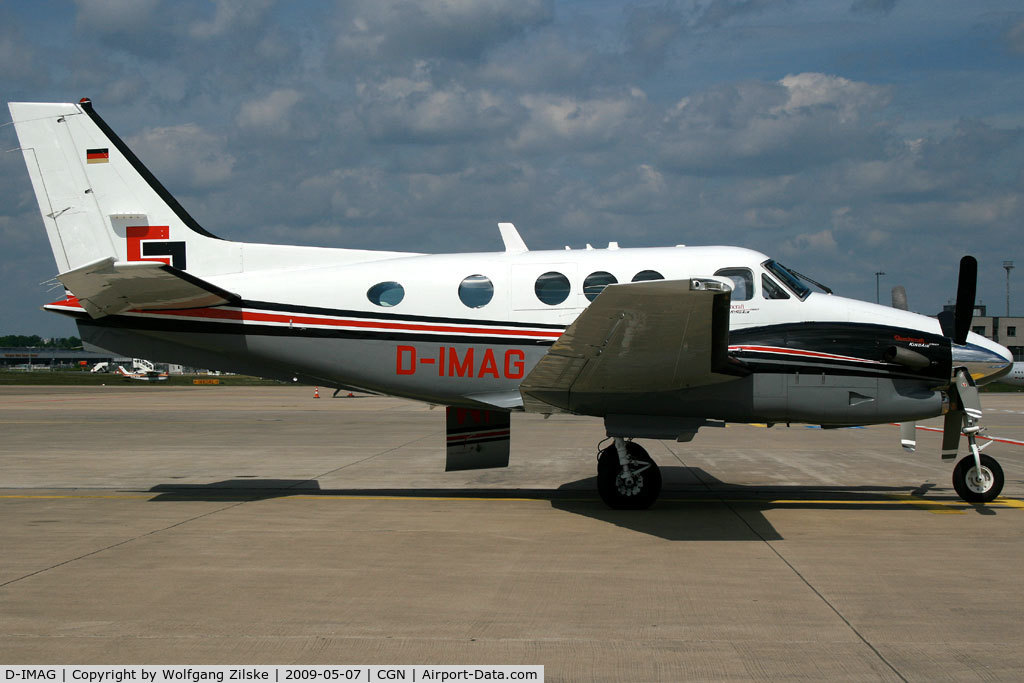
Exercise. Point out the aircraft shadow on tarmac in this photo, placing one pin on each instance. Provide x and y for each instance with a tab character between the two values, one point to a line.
694	505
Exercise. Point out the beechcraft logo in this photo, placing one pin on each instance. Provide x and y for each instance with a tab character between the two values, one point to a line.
145	243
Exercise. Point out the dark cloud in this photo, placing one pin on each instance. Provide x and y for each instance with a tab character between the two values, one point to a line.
1015	37
420	29
757	128
872	6
718	12
418	125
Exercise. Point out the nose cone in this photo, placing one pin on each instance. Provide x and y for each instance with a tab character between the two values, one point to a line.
984	359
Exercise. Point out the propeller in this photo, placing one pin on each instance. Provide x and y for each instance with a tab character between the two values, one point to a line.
965	405
957	324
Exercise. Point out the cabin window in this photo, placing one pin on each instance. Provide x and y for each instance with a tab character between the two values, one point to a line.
476	291
742	282
647	275
771	289
552	288
386	294
596	282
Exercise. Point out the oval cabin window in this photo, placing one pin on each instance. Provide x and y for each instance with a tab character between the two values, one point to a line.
386	294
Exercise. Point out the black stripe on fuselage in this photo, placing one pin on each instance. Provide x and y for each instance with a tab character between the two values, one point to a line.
152	324
812	367
867	341
374	315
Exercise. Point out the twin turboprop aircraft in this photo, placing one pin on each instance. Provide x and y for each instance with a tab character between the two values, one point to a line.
658	342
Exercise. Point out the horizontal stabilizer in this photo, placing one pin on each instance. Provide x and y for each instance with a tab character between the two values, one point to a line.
108	287
635	339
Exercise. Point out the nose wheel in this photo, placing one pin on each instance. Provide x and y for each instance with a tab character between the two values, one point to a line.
627	477
976	485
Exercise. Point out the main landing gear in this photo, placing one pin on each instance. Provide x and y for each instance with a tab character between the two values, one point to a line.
627	477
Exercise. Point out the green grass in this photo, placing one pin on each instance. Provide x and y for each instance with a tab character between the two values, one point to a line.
84	378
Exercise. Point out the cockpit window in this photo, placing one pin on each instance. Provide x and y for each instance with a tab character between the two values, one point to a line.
742	282
788	278
771	290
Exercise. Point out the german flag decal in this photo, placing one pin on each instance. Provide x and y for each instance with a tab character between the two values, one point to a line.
97	156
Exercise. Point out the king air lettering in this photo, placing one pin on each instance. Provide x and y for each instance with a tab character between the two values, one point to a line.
472	362
140	245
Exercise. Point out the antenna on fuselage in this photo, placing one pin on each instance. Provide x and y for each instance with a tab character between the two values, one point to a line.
514	244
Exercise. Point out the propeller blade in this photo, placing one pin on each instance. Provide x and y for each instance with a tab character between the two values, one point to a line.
899	298
965	291
908	436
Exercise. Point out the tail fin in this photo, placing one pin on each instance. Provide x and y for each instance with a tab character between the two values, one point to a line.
98	201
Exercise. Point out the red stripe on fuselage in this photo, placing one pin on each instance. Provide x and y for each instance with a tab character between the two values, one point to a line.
800	352
231	315
252	316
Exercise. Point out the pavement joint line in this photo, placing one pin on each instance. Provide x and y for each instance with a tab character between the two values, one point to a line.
369	457
120	543
796	571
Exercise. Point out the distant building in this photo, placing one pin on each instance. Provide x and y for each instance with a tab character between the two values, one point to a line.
50	358
1007	330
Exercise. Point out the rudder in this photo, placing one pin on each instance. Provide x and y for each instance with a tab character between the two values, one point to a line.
99	201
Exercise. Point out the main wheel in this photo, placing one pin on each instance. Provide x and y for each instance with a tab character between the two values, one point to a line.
974	486
637	492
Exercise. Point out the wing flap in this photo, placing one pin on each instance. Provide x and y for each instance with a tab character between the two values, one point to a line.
637	338
107	287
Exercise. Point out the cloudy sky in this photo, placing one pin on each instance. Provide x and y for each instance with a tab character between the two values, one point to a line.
843	137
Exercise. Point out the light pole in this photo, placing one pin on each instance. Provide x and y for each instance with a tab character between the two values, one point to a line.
878	295
1008	265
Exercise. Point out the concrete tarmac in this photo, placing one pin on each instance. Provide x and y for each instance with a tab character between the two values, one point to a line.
214	525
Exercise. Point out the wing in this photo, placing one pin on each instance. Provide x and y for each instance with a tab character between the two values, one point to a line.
636	340
107	287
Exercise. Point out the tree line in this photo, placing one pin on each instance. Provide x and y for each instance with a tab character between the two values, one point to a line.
37	341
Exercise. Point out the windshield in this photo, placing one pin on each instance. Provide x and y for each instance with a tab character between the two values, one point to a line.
788	278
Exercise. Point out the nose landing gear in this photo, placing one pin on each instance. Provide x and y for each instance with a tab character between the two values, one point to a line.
978	485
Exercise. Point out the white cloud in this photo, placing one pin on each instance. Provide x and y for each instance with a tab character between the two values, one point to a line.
230	15
758	128
411	109
558	120
186	155
270	111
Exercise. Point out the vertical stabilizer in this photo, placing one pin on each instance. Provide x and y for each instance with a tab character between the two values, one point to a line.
99	201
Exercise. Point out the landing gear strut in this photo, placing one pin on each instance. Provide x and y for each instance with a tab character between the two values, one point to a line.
977	478
627	477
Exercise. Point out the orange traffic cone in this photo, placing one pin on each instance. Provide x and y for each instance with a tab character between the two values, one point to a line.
316	392
351	395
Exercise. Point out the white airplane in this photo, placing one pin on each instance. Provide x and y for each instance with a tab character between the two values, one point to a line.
143	370
1015	376
658	342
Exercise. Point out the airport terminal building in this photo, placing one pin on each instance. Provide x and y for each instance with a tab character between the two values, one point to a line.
1007	330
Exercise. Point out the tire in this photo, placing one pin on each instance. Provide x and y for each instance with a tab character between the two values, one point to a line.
648	482
967	486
